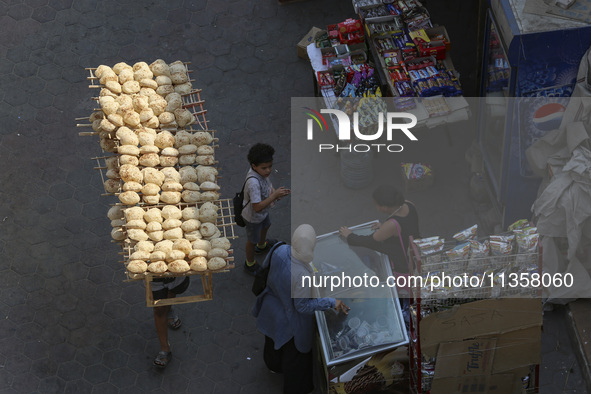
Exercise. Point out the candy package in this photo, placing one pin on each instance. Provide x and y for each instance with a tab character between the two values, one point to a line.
459	252
467	234
416	170
518	224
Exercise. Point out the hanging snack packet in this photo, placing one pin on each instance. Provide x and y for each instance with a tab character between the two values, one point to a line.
527	243
525	231
467	234
460	252
518	225
499	248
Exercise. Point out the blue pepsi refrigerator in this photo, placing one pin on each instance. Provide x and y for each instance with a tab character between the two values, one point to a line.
529	71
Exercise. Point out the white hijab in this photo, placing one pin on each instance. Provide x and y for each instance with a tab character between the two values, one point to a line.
303	242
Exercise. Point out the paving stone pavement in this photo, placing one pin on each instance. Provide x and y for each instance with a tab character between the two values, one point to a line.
69	322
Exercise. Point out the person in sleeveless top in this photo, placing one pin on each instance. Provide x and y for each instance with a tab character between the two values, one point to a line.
391	235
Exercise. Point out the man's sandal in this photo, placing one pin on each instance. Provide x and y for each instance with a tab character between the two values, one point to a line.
162	359
174	322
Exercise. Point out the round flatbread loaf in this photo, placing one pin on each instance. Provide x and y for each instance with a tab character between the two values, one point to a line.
129	198
174	255
182	138
207	229
137	234
210	196
117	223
187	174
187	149
152	175
164	139
112	185
129	159
150	189
115	212
137	266
149	159
144	246
169	224
116	119
193	235
202	138
175	233
145	138
168	161
170	197
183	88
169	151
206	160
134	213
151	200
144	150
199	263
197	253
114	86
131	150
157	255
190	213
221	243
206	174
118	234
179	77
163	80
132	186
163	246
187	160
209	186
183	245
136	224
130	173
148	83
153	215
217	234
205	150
153	226
140	255
190	196
171	175
208	216
190	225
158	267
131	87
178	266
202	244
171	212
217	252
216	263
183	117
191	186
156	236
172	186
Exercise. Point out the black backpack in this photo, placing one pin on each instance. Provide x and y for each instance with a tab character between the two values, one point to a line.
260	278
238	202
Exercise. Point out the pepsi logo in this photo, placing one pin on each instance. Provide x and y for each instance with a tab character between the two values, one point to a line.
548	117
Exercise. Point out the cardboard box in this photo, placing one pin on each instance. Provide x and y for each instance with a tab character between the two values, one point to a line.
308	39
478	319
484	384
517	348
473	357
439	30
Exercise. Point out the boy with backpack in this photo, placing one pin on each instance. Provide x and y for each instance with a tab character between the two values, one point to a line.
259	195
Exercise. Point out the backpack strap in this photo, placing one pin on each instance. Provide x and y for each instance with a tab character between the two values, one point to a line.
267	261
243	186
